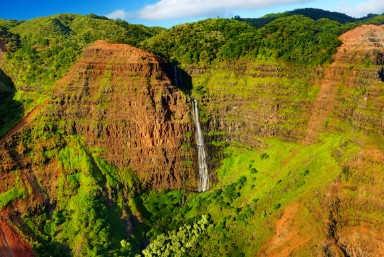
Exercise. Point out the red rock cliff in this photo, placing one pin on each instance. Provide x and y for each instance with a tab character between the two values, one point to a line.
122	100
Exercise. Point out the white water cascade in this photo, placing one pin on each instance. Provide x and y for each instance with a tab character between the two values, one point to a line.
203	183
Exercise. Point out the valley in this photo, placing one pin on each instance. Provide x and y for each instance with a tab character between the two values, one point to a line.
262	141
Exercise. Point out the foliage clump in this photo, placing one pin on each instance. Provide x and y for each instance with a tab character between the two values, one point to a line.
178	242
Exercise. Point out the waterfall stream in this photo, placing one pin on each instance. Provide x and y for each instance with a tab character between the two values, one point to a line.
203	183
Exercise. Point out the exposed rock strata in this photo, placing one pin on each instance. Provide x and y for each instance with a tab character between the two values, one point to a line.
352	88
122	100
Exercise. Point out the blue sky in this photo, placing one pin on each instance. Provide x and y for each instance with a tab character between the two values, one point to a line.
167	13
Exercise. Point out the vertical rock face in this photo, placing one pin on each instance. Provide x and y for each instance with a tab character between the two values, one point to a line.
121	99
360	94
252	99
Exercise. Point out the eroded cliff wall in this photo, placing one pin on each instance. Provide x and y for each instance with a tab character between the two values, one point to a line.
123	100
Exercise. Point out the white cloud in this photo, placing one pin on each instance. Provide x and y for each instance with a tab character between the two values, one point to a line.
118	14
364	8
174	9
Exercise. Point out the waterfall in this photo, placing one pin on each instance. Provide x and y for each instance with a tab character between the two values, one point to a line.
203	183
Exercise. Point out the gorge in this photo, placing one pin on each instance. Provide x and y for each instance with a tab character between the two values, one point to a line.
274	151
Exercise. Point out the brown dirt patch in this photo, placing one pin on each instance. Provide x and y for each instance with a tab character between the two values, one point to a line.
362	241
30	116
287	238
364	38
12	244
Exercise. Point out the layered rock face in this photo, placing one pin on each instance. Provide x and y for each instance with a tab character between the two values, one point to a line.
118	101
121	99
359	99
247	100
250	100
351	91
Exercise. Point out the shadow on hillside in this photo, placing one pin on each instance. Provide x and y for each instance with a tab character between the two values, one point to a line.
11	111
381	75
180	78
46	249
10	252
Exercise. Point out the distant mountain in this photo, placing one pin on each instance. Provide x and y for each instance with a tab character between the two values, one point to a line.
312	13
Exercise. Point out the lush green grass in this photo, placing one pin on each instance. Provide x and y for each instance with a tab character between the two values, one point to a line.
88	217
11	195
254	187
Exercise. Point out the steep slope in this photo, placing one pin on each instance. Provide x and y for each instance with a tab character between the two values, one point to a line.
122	99
352	86
12	244
302	175
360	96
115	125
350	103
38	52
298	151
249	100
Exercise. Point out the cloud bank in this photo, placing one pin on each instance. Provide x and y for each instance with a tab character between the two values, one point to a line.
118	14
175	9
362	9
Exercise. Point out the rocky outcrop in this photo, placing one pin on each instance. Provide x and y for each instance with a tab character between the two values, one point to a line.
121	102
122	99
249	100
352	88
360	101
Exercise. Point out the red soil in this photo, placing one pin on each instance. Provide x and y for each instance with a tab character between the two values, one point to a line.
12	244
287	238
30	116
357	45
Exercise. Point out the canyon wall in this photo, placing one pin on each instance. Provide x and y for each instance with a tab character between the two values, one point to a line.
122	103
123	100
248	100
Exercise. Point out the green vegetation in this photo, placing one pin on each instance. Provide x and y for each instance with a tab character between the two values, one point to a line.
178	242
11	195
315	14
88	216
40	51
51	45
198	42
294	38
306	36
253	187
270	69
11	109
300	39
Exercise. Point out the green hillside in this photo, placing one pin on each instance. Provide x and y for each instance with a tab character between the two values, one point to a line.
294	38
40	51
